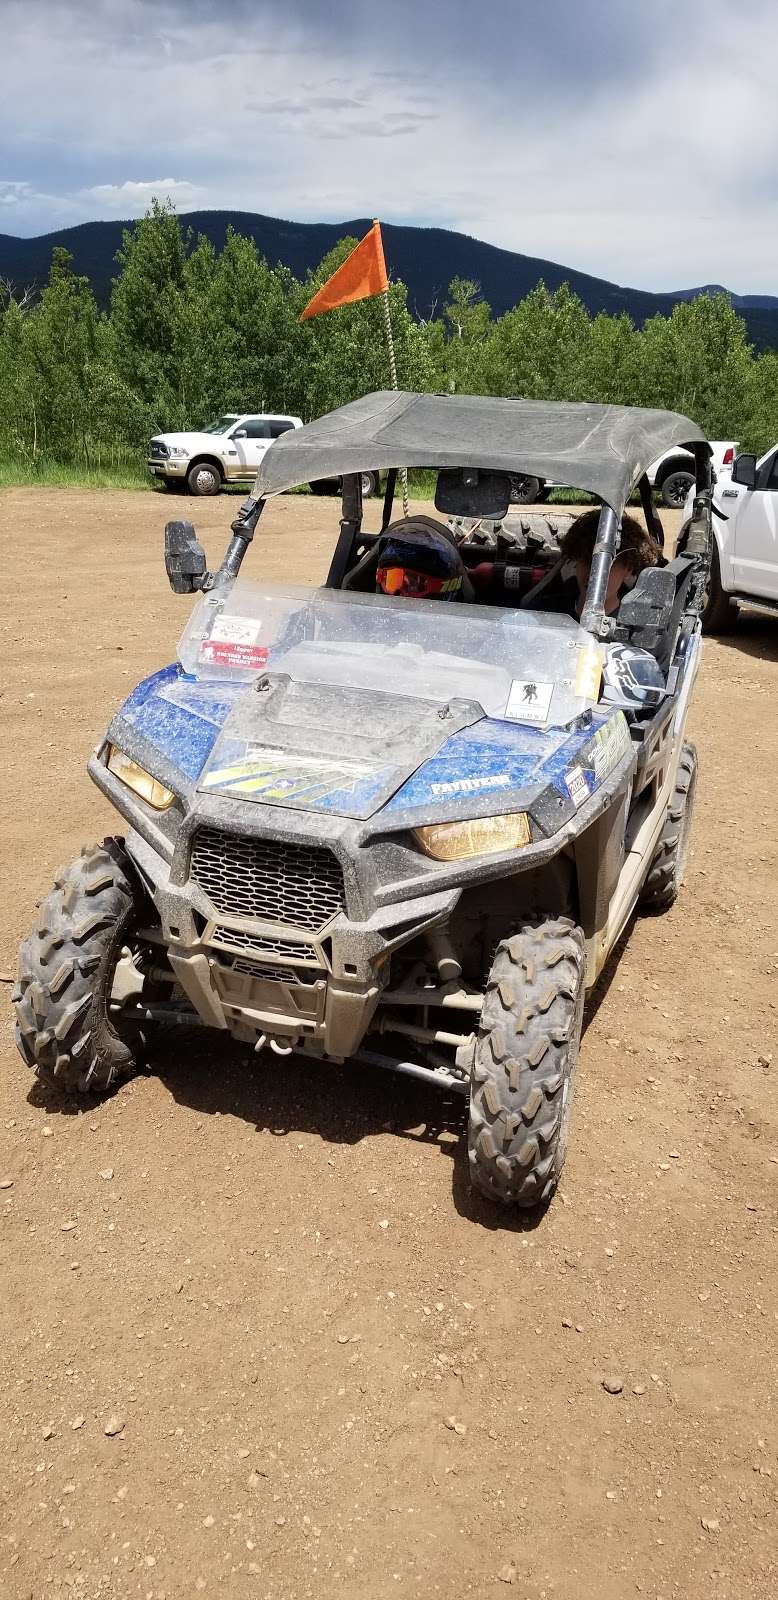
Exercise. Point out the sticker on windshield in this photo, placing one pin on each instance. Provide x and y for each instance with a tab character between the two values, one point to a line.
232	642
529	700
227	629
225	653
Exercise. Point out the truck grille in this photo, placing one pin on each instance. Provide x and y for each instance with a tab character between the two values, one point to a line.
157	450
297	885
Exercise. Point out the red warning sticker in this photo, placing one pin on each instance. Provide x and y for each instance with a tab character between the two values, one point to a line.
229	653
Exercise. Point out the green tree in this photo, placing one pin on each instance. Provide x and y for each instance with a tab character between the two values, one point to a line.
696	361
148	315
53	352
541	349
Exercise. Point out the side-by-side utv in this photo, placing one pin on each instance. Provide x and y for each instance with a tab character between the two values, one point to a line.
402	832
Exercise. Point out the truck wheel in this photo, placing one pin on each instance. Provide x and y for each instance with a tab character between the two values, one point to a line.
369	484
204	478
65	1029
720	612
524	490
525	1059
665	874
675	488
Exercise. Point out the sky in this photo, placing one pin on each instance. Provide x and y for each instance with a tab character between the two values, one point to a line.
634	142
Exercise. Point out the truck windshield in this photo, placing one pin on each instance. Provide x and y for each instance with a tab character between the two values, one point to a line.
516	664
221	424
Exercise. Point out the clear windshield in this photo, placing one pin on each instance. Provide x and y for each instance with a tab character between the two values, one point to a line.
519	665
221	424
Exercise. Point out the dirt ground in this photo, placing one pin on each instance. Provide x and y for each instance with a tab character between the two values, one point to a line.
272	1273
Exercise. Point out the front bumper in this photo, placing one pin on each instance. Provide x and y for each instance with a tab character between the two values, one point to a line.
253	977
168	467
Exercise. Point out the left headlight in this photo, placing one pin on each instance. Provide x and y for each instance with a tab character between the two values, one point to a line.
136	778
454	841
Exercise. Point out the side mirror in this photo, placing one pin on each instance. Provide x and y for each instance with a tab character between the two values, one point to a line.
240	433
184	558
649	603
744	471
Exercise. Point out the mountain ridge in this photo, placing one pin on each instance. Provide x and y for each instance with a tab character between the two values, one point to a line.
425	258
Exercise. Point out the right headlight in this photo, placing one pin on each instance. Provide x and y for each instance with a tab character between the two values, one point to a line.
454	841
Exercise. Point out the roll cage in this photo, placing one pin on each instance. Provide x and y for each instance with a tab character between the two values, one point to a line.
603	450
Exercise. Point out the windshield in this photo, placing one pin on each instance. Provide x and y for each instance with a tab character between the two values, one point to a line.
517	665
221	424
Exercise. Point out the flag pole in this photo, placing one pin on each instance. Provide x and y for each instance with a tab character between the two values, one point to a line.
393	377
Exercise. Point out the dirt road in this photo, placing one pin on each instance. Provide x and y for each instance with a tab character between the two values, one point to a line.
336	1373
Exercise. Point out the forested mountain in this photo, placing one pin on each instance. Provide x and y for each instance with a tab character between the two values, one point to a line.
427	259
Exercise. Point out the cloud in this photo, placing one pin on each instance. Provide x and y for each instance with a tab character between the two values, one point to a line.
135	196
636	143
11	193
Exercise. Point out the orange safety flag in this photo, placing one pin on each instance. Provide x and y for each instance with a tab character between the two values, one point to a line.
362	274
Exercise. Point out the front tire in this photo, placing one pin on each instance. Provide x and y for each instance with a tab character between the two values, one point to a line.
66	968
720	612
369	484
668	864
525	1060
204	478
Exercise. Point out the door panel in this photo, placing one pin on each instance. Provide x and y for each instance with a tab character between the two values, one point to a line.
249	450
755	555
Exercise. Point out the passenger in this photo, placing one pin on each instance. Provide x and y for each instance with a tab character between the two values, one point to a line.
636	550
420	563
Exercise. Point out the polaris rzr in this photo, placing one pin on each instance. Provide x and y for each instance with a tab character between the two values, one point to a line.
402	832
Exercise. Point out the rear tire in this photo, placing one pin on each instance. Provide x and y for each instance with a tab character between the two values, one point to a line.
66	968
665	875
369	484
675	487
525	1060
204	477
525	491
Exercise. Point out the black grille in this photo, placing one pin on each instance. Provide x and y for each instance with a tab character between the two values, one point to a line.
157	449
299	885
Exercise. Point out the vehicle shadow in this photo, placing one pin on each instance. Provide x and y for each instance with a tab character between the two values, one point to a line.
341	1105
754	634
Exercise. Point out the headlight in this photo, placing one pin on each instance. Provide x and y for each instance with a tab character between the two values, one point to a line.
177	450
137	779
453	841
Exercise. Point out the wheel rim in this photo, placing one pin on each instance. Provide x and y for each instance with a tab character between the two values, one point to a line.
677	490
521	489
367	483
204	480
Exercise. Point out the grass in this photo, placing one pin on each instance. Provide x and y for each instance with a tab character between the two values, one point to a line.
47	474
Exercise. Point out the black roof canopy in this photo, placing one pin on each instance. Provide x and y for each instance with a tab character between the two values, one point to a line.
602	449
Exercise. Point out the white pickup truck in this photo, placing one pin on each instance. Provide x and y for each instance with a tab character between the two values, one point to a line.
672	476
744	568
228	450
